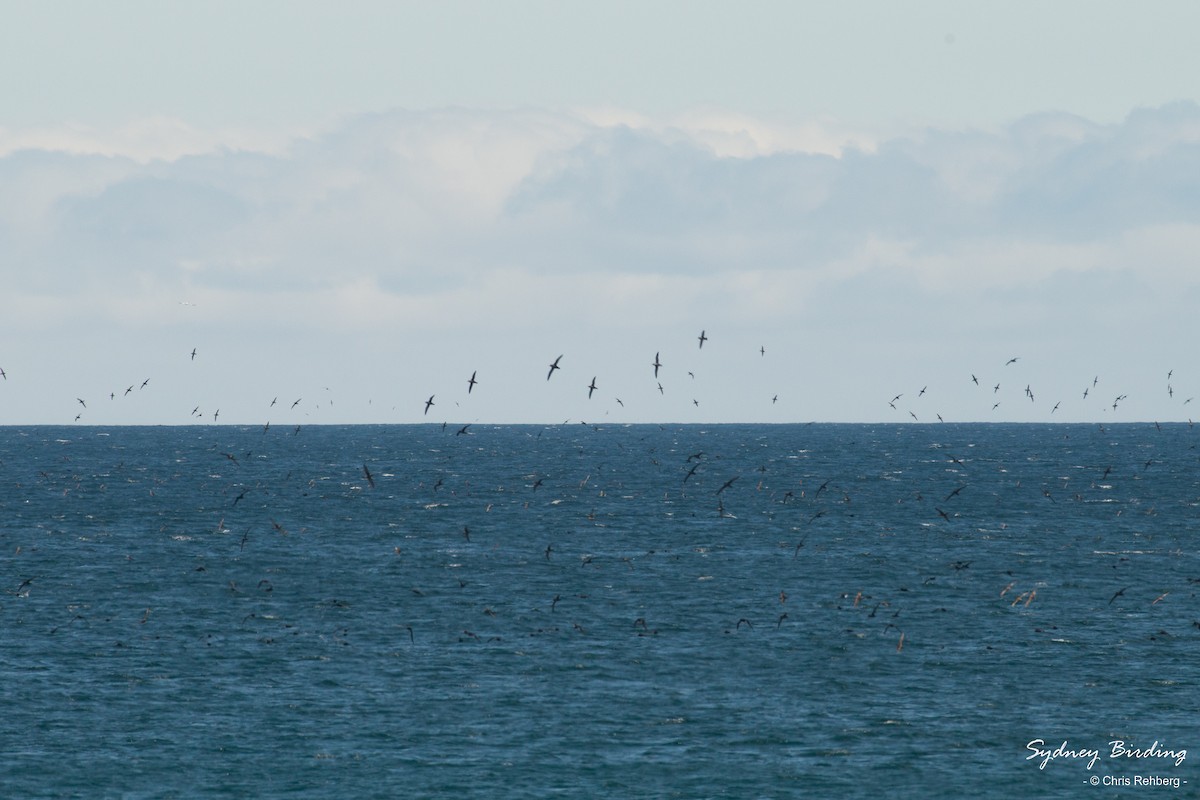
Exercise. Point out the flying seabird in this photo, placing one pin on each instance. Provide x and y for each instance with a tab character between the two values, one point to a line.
471	383
592	387
656	365
1010	361
553	367
428	403
193	354
727	483
702	339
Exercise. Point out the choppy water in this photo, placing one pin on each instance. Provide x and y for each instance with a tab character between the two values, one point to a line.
585	612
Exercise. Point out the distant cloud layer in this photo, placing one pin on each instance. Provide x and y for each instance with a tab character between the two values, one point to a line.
512	219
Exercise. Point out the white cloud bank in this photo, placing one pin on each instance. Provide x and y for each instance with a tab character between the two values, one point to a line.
389	256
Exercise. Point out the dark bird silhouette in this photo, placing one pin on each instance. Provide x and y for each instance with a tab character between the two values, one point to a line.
370	478
702	339
3	374
298	399
471	383
273	401
942	514
143	386
660	389
691	472
956	491
592	387
727	484
1118	594
193	354
80	399
553	367
975	379
1011	361
656	365
428	403
463	430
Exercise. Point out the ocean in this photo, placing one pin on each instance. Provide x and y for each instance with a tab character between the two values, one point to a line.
692	611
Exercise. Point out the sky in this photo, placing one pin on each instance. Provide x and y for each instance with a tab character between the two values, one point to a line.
868	208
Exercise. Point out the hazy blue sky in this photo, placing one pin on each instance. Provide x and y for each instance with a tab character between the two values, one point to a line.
358	205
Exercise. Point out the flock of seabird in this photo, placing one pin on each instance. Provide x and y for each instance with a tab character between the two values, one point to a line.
994	403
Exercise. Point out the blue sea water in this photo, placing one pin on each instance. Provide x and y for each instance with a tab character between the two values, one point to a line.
740	611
